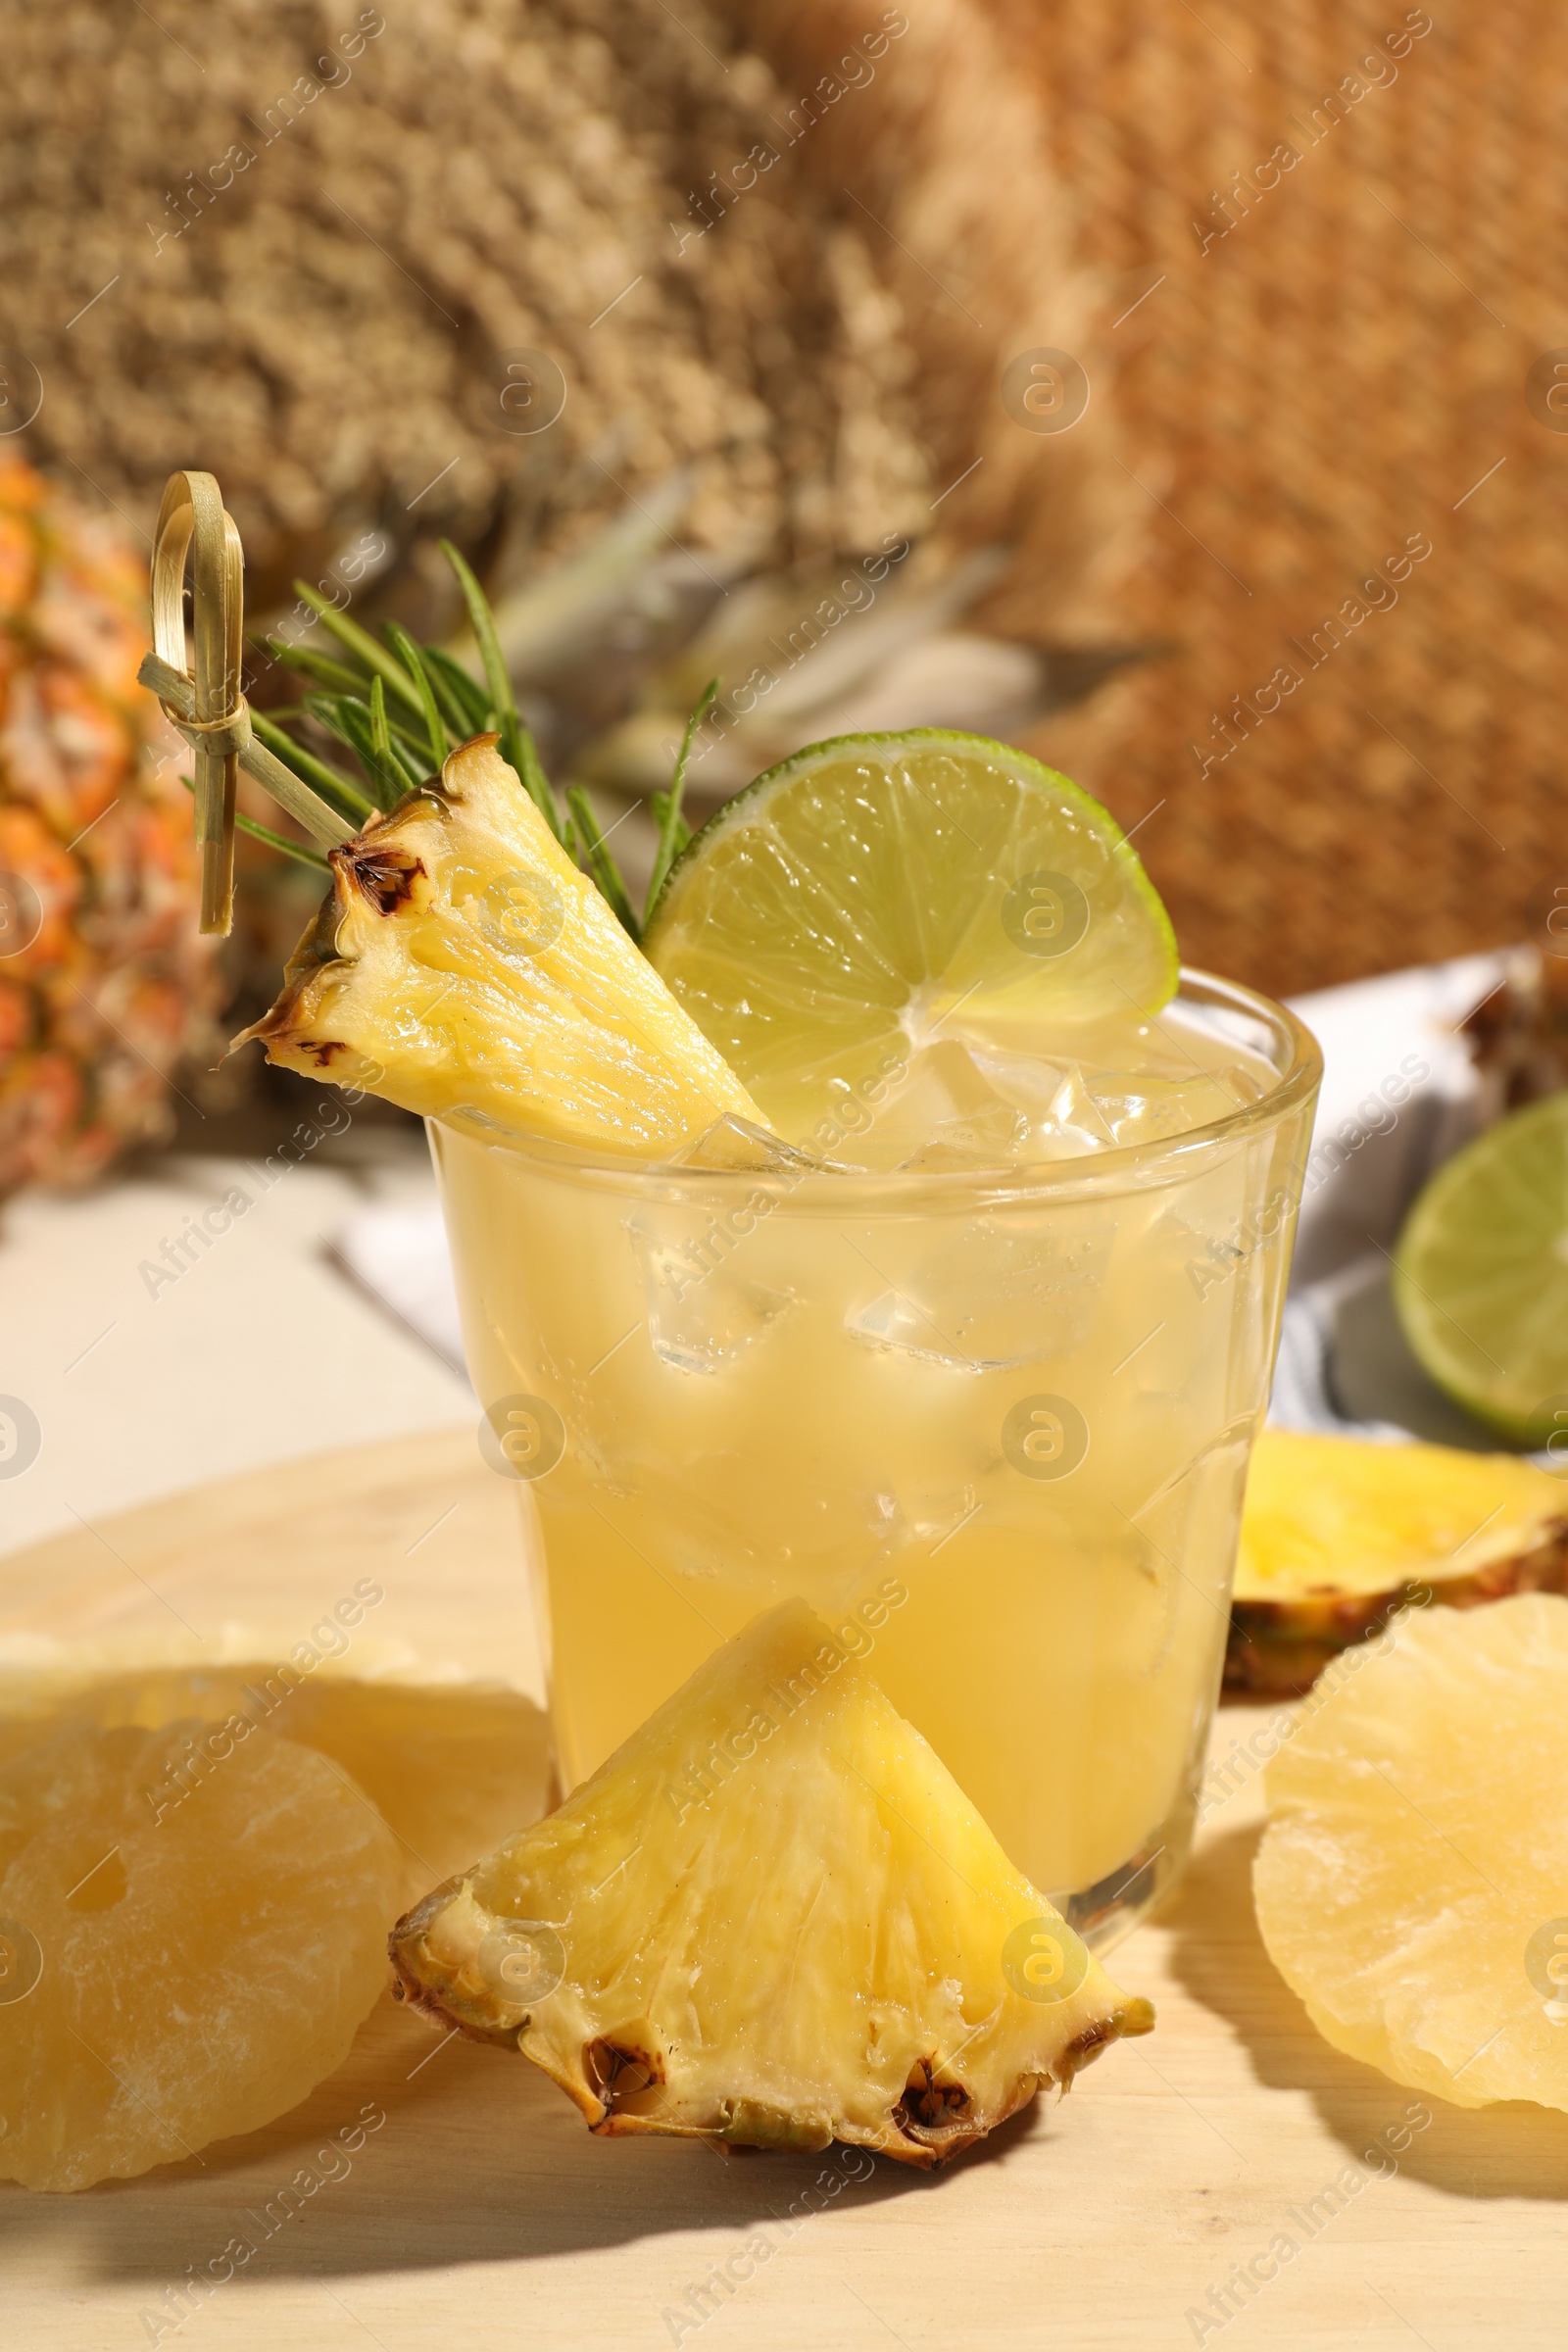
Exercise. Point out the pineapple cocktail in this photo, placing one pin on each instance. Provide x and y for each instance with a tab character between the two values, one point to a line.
996	1424
896	1231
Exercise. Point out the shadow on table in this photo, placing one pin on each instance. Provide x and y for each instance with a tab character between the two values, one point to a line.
1514	2149
479	2159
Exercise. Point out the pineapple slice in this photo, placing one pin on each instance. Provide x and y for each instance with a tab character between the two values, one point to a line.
770	1918
450	1766
1338	1533
1412	1883
171	1974
463	966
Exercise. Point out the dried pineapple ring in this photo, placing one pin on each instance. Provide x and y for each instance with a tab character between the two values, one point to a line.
200	1964
451	1767
1414	1873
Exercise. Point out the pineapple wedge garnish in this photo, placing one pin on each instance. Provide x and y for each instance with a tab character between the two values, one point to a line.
1338	1533
463	966
770	1918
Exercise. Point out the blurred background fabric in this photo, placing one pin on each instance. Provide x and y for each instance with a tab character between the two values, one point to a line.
1190	375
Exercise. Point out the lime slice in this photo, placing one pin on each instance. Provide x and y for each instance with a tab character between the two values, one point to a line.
1481	1274
865	892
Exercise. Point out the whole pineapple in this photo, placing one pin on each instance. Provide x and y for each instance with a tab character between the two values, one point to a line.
103	979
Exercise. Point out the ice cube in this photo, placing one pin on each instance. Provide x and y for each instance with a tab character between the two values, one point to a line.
761	1530
703	1310
895	1321
1091	1105
735	1142
1074	1120
941	1104
1002	1289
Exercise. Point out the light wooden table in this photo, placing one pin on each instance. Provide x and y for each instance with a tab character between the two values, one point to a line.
482	2215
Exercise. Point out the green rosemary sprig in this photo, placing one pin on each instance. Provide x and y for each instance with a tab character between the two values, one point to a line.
400	707
674	830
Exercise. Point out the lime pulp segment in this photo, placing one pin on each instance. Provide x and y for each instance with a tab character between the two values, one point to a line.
868	891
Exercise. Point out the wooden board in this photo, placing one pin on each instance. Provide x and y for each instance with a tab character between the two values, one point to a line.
479	2214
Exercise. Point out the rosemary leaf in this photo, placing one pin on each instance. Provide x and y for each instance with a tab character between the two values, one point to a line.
517	743
344	793
601	865
670	820
300	851
380	740
483	624
375	657
408	653
274	841
349	720
394	745
463	702
658	801
517	747
413	748
320	666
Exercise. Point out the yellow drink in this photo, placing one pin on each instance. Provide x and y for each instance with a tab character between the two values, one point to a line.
988	1414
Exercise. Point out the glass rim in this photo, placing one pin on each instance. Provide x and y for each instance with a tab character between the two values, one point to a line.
910	1190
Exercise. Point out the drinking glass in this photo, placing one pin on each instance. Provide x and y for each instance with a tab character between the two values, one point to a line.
993	1425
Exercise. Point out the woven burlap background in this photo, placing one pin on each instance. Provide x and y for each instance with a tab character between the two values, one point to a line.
1344	369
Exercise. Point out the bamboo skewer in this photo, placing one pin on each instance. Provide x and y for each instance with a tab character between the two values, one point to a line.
209	709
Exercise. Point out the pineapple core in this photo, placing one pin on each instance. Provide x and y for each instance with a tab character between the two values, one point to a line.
770	1918
463	966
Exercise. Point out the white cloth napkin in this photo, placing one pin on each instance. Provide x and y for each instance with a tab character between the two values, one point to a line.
1400	1093
399	1256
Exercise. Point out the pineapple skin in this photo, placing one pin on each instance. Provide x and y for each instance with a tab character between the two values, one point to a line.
104	983
795	1961
1277	1649
1342	1534
463	966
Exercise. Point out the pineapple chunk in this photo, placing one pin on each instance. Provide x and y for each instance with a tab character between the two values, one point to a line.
1412	1883
1338	1533
770	1918
463	966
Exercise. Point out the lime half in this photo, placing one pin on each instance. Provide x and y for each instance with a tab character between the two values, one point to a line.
1481	1274
858	897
